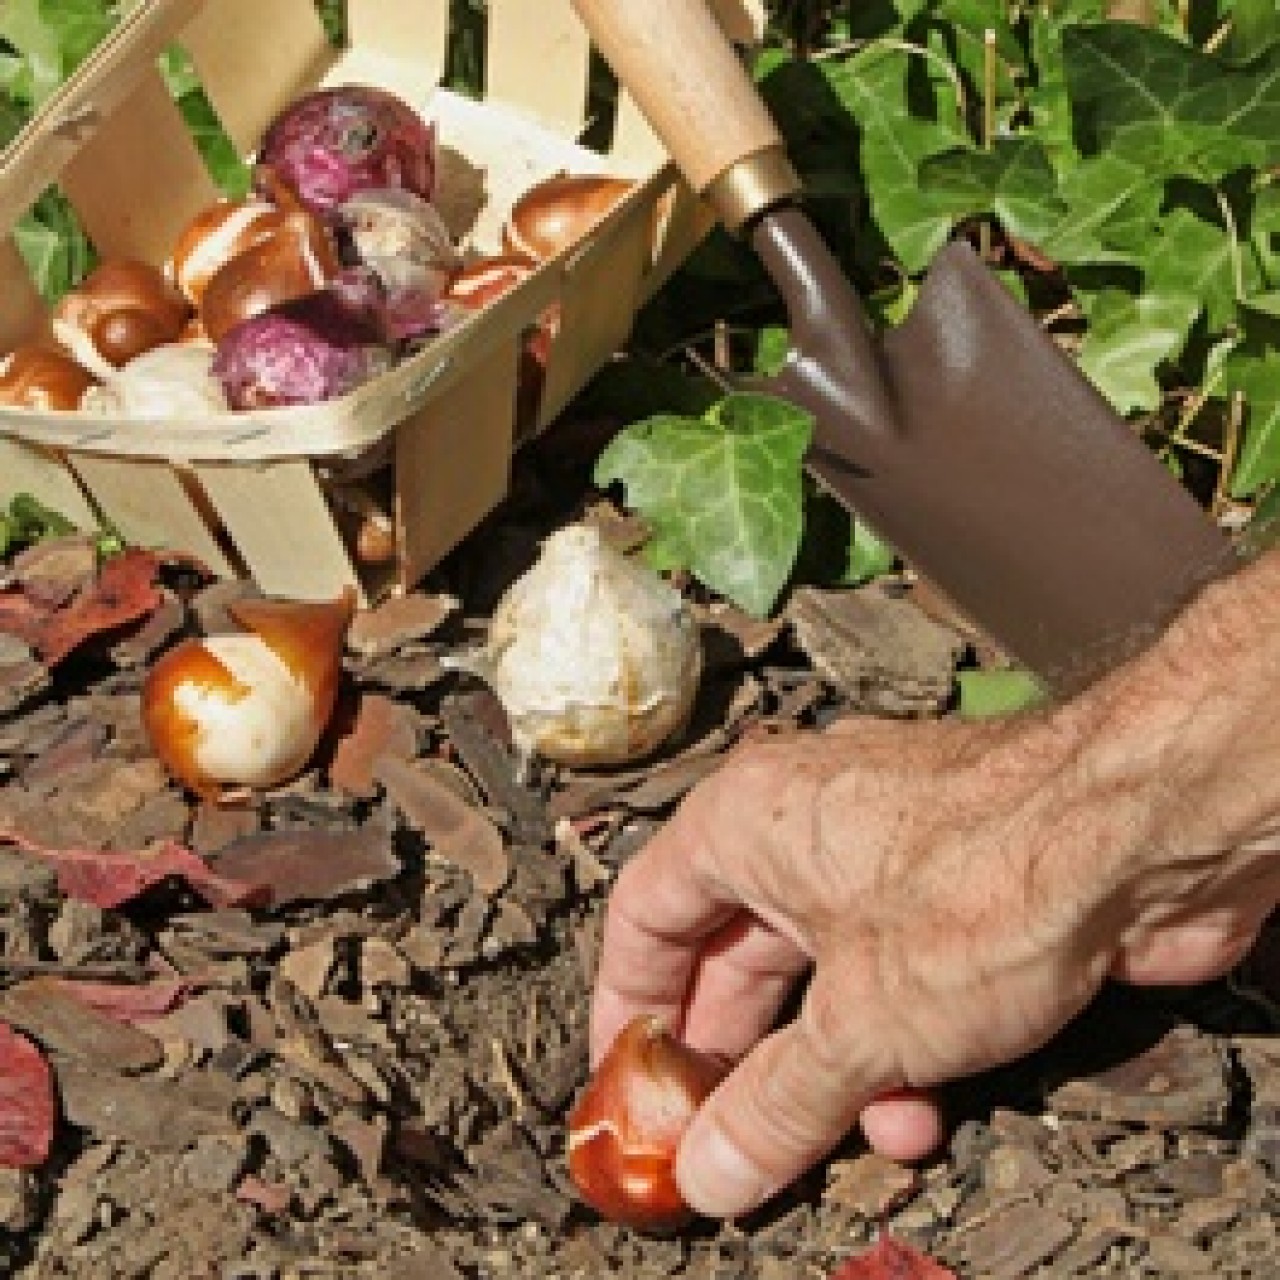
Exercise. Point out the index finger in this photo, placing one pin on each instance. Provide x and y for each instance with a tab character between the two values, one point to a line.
662	910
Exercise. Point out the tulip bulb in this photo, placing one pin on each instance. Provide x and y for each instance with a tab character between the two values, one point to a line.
248	709
627	1124
594	657
36	377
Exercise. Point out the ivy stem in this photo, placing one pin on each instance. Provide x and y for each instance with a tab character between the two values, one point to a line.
1190	412
708	370
1215	41
1233	231
1230	450
988	88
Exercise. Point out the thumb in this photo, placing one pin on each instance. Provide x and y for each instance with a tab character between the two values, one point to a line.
794	1096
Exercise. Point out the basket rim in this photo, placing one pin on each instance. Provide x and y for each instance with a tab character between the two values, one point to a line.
344	426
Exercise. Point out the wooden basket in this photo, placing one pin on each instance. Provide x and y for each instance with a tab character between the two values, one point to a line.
252	493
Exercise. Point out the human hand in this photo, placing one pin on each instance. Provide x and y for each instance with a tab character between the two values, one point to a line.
958	891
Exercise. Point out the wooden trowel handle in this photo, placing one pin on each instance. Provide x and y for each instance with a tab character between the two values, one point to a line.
686	77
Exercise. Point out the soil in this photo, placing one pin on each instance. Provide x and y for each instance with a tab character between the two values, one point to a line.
369	1077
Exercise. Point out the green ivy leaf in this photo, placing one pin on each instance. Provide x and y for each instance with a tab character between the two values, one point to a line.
1014	181
53	245
869	556
872	85
1255	29
1262	533
1257	378
1193	258
1100	195
723	493
984	694
1128	338
1168	104
51	38
773	348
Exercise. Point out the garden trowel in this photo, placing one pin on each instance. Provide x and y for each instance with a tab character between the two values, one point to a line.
964	437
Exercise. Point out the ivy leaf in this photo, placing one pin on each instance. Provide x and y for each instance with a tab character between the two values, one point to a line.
1257	378
53	245
872	85
984	694
1014	181
1150	96
1128	338
868	556
773	349
50	41
1262	533
1099	195
1195	259
1255	29
723	492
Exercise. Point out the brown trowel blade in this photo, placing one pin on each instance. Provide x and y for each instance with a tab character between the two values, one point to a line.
975	447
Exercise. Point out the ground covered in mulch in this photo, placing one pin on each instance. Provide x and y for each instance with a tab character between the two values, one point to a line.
363	1068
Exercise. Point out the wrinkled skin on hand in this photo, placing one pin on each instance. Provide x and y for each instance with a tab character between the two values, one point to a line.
955	893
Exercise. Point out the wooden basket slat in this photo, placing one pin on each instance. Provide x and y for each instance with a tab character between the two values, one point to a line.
30	469
38	155
453	459
140	178
149	504
254	502
602	285
251	74
22	310
276	515
415	31
684	219
526	40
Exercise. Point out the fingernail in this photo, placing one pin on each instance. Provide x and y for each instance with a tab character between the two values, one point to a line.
716	1178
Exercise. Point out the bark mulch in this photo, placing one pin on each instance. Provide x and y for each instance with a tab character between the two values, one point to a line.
360	1066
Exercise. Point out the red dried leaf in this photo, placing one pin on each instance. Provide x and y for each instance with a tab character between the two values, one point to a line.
109	878
892	1259
26	1102
123	592
126	1003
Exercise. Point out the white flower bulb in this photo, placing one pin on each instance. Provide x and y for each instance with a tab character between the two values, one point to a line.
594	657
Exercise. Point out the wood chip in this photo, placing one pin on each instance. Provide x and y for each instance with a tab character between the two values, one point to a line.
158	1115
68	1028
311	866
380	726
398	621
879	650
1182	1081
456	831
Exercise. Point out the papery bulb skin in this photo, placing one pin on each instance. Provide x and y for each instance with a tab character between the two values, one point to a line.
625	1128
174	381
595	658
331	143
402	237
248	710
312	349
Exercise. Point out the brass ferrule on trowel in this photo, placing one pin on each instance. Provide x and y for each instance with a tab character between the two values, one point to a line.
752	185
